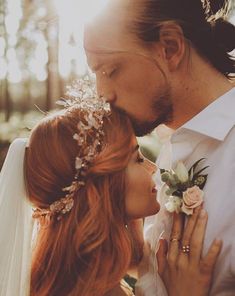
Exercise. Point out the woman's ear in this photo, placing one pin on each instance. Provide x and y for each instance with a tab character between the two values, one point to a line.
173	44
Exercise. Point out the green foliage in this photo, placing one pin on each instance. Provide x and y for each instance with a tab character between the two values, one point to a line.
3	151
18	126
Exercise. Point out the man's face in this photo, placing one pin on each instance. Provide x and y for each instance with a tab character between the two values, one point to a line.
127	75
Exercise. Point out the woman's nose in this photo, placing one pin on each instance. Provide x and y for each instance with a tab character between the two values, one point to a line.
151	166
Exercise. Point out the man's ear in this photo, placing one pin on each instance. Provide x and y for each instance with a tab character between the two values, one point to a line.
172	41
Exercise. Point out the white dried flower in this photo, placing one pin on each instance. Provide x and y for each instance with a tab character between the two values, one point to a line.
173	204
181	172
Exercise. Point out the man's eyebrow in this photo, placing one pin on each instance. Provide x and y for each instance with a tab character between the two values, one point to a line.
97	67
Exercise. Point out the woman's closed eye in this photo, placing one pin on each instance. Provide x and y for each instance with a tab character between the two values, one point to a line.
140	159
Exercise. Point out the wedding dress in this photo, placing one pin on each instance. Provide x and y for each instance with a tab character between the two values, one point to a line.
16	224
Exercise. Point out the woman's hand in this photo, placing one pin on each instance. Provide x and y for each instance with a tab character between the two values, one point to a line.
187	272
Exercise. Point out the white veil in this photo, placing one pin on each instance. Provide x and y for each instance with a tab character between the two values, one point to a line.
15	224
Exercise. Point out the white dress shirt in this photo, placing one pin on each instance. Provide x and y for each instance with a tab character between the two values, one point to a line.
211	135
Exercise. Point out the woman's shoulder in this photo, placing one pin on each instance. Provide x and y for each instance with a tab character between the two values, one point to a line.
123	289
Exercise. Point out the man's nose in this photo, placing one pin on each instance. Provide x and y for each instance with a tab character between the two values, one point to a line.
109	98
105	91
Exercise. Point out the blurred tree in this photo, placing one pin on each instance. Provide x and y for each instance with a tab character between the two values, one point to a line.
52	35
5	95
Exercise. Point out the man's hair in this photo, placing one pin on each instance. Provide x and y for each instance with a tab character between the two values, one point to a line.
203	22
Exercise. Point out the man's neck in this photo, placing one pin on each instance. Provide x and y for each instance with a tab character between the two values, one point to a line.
196	90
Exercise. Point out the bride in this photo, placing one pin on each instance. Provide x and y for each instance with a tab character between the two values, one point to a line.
89	186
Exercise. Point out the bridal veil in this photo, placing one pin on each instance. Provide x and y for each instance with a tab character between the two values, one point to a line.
16	224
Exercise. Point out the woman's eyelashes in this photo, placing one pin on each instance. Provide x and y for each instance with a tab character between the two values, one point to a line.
140	158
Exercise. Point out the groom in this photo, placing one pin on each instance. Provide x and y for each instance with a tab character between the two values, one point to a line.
167	62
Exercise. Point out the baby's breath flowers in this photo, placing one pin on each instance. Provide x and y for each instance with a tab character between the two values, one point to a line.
184	188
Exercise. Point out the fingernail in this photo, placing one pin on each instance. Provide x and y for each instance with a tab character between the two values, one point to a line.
202	213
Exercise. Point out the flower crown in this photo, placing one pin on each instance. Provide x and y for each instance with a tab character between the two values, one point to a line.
89	136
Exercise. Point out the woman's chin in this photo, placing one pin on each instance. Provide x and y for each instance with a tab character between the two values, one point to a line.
149	210
155	208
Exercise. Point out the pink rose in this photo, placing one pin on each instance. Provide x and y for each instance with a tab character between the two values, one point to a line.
192	198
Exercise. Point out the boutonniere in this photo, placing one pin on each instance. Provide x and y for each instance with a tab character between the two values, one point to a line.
184	187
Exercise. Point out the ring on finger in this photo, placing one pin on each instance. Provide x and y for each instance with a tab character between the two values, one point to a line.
174	239
185	249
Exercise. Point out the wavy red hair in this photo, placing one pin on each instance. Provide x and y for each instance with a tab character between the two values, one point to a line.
89	250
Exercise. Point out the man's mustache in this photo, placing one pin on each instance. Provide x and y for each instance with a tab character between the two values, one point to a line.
142	128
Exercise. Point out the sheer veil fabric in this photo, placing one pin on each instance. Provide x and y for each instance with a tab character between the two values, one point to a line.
16	224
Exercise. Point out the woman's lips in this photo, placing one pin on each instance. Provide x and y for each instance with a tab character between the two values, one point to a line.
154	190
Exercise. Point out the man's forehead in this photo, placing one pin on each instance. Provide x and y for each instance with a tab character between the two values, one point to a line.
102	38
109	31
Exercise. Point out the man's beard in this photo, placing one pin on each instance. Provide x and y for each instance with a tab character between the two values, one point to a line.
163	108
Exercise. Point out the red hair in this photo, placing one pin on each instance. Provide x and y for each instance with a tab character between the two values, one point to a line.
89	250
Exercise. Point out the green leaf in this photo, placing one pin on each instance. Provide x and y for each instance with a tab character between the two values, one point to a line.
171	190
165	177
183	186
191	175
193	167
178	193
200	171
162	171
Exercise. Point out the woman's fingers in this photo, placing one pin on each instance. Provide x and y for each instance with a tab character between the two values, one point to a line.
209	261
189	228
197	238
183	258
176	235
182	271
162	256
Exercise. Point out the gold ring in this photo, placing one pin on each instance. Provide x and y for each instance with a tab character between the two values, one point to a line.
174	239
185	249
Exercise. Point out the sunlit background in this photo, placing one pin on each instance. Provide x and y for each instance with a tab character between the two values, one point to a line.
41	52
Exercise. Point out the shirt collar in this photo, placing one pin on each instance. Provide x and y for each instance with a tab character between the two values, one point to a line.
217	119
